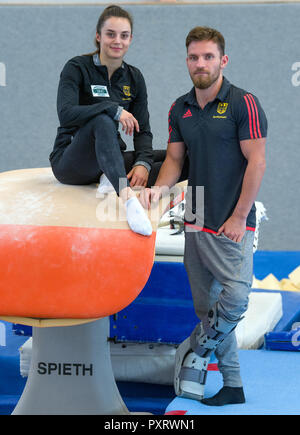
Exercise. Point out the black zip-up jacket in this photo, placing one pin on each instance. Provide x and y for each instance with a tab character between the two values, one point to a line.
85	91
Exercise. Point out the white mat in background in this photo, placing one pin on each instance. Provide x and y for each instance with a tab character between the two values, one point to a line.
263	313
169	243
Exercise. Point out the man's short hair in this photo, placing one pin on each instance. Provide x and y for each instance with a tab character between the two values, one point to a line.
206	34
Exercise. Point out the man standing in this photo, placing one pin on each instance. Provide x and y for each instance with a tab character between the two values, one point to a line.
222	129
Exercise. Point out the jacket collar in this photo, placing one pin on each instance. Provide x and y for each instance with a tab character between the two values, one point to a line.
96	60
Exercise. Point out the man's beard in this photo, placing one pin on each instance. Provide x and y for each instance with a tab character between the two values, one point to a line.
205	81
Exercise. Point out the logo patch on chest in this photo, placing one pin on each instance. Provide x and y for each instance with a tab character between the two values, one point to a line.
187	114
126	90
222	107
99	91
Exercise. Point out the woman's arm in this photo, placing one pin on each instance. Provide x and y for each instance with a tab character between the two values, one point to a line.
139	108
70	112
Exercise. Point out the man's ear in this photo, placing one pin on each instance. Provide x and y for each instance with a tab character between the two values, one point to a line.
224	61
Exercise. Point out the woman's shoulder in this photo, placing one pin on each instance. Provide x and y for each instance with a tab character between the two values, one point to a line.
84	59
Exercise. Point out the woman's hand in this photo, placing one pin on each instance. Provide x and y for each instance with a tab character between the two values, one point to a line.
129	123
138	176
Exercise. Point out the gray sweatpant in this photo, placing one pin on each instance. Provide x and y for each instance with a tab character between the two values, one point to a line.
220	270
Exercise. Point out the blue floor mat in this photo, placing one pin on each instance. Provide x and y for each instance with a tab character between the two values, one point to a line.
271	384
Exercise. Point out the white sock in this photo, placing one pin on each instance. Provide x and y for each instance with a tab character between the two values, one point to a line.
137	218
105	185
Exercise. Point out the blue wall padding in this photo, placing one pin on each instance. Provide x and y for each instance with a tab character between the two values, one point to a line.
163	312
280	263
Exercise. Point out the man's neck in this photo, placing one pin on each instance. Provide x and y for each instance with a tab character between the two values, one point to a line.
204	96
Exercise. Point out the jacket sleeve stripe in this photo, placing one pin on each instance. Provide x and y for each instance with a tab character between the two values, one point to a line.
250	116
257	117
254	125
253	116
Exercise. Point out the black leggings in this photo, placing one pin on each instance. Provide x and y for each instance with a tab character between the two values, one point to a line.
95	150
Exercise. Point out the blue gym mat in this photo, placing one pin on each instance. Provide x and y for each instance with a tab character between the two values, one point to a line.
279	263
11	382
271	385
